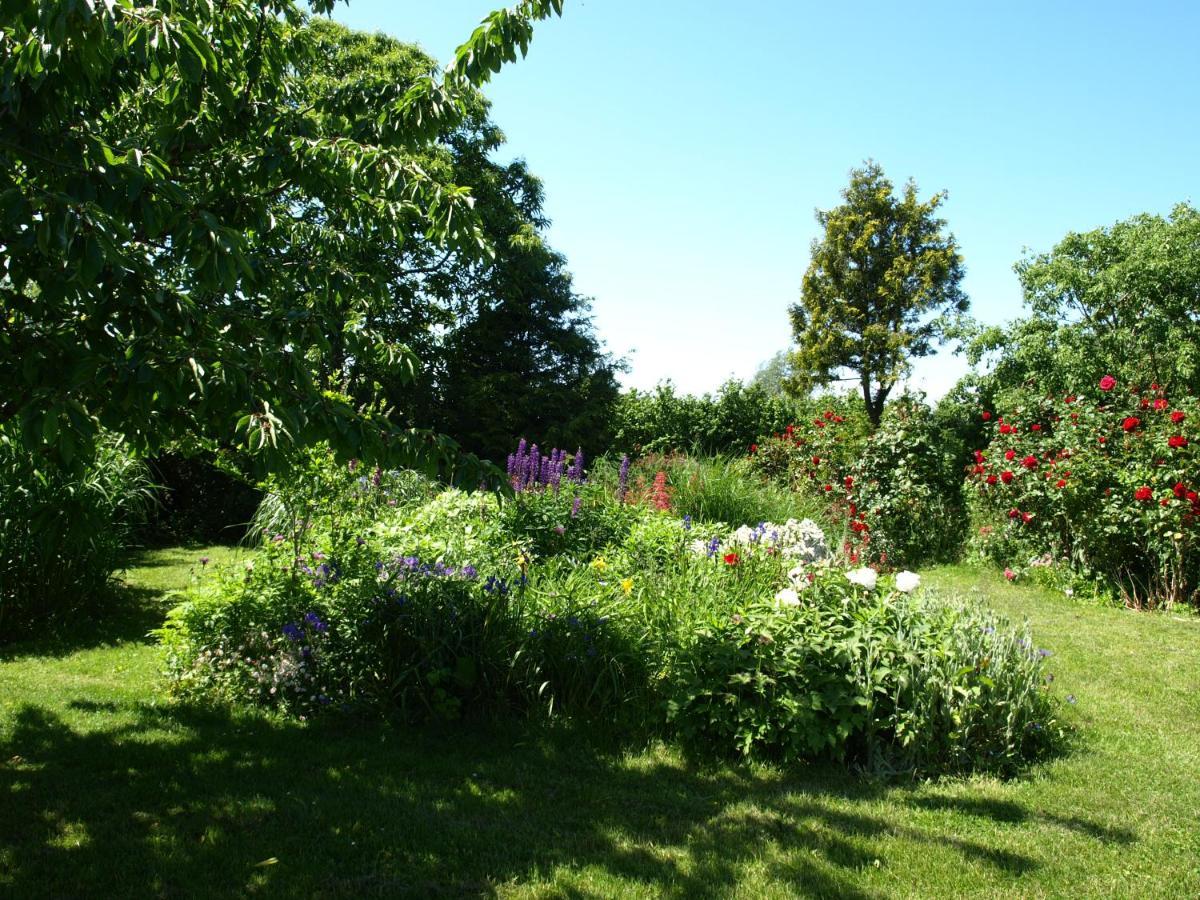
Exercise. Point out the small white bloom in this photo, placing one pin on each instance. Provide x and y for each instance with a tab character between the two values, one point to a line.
865	576
788	597
798	574
907	582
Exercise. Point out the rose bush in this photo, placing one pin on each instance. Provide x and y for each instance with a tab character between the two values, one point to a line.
1105	481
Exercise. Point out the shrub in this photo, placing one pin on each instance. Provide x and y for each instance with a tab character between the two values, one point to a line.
662	421
1107	481
62	535
889	682
894	494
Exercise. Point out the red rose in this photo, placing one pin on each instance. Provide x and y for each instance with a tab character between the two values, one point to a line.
1160	403
1005	428
1180	490
1026	517
828	488
754	448
732	559
828	414
1010	454
1006	477
1176	441
816	460
1177	416
1107	383
1143	493
1014	513
1069	398
979	457
1131	423
1030	462
991	479
849	482
1153	386
1145	403
1061	483
987	416
1193	496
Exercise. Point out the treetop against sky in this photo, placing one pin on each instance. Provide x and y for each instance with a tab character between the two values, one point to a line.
684	146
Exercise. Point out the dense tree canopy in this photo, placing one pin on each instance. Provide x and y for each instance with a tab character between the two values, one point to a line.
182	220
883	279
1122	300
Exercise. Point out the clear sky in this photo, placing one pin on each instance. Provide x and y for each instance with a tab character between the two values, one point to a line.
684	144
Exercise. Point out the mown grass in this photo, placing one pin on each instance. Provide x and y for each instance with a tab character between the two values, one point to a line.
109	789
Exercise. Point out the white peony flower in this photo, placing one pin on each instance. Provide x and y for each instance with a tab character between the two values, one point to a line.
865	576
907	582
788	597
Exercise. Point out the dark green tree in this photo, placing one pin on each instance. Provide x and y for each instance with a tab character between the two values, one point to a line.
504	342
882	288
173	220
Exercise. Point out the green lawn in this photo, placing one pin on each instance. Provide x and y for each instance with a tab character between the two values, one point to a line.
108	789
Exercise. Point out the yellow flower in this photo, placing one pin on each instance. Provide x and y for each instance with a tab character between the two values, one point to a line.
627	586
599	564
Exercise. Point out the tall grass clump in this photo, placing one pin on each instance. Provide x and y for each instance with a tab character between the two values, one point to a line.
62	535
709	489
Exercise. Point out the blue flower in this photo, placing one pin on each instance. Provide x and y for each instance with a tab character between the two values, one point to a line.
468	571
293	632
687	523
315	621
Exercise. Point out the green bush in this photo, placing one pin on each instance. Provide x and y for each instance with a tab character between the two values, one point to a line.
889	682
62	535
1105	481
661	420
895	494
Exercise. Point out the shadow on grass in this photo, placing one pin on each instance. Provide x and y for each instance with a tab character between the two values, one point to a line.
175	801
124	613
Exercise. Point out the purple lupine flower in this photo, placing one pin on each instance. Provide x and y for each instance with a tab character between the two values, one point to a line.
468	571
575	507
687	523
713	546
292	631
623	479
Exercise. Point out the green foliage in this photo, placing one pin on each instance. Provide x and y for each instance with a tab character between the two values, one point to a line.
711	489
62	536
661	420
385	599
894	492
886	681
183	236
1106	482
908	484
883	280
1115	301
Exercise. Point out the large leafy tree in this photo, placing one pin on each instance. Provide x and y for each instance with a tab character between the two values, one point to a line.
178	219
882	288
1122	300
504	341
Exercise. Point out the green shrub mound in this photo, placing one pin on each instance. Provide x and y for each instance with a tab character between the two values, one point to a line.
886	681
563	600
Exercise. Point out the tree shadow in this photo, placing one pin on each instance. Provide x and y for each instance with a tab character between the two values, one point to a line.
174	801
124	613
1010	813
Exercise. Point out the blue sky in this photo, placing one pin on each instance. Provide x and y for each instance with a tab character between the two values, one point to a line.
684	145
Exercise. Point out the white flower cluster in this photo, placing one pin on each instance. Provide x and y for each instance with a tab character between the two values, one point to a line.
802	541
